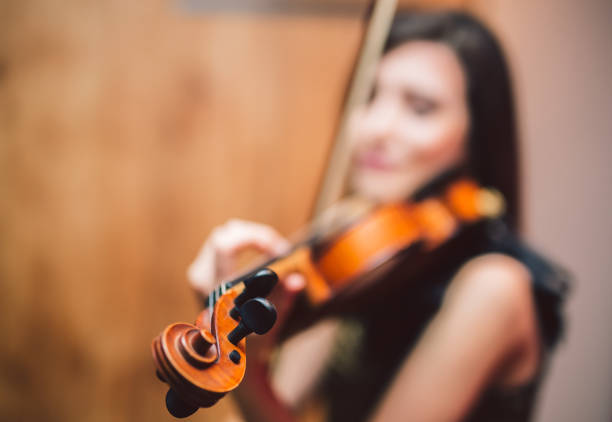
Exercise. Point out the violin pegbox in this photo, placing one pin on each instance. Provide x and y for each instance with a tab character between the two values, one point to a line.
202	362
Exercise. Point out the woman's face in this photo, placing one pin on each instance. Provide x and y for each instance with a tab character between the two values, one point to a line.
415	125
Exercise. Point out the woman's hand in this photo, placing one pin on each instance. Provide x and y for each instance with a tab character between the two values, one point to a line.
218	260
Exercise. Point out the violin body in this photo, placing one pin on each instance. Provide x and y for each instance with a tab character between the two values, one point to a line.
387	231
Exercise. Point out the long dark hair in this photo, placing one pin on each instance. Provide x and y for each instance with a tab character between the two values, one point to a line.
493	156
492	143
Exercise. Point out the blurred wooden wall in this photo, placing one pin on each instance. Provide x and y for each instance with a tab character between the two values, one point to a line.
127	131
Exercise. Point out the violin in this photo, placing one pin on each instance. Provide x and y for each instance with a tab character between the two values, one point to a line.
202	362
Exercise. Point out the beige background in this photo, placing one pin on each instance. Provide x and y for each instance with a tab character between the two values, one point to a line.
562	56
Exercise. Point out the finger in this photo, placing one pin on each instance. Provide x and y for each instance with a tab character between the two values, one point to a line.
215	259
294	282
201	272
238	234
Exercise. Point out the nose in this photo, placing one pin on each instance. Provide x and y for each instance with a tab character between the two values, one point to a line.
378	122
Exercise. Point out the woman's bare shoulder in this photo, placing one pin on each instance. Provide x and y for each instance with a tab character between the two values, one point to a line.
498	289
500	278
494	291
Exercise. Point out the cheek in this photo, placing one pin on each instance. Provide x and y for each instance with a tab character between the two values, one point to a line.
435	138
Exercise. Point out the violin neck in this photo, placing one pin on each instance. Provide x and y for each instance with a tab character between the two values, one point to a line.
213	297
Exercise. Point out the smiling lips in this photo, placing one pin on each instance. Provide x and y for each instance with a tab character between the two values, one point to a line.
375	161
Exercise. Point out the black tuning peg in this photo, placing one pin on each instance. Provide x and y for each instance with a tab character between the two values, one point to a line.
259	284
256	316
178	407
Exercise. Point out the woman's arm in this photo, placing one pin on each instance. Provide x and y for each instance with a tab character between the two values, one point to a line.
485	333
256	399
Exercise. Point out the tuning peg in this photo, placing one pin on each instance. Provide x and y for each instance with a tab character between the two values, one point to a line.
257	315
259	284
178	407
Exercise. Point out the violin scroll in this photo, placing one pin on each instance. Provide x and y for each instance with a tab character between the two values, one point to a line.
202	362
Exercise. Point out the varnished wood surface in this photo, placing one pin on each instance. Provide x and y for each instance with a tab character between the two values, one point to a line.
127	132
201	375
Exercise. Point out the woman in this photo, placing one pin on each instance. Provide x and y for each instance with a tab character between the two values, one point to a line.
479	328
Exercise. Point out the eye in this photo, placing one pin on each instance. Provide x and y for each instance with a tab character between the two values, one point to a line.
420	105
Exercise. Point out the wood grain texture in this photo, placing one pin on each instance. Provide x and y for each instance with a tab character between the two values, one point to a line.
127	132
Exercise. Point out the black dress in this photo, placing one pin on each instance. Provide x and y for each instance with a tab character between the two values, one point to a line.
373	342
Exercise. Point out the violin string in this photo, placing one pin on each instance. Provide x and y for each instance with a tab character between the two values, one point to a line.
336	218
224	287
350	209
